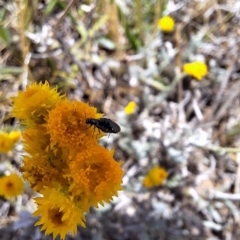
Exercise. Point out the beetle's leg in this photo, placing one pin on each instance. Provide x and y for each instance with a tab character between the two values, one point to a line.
98	132
93	130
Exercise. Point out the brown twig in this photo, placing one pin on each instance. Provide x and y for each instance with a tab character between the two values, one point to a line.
63	14
237	180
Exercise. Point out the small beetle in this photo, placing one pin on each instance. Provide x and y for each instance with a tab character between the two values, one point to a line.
104	124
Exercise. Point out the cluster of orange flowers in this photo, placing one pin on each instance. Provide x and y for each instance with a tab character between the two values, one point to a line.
63	160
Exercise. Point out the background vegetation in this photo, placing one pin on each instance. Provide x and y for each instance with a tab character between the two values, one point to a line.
109	53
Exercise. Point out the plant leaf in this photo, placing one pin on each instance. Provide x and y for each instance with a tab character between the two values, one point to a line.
5	35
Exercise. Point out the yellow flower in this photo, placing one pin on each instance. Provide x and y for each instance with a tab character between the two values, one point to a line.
196	69
11	185
166	24
36	141
96	174
41	172
8	140
15	135
32	105
155	177
130	108
67	125
58	214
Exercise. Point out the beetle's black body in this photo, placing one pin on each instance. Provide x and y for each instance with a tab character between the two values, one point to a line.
104	124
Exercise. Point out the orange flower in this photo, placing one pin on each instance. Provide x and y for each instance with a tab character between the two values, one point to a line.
67	125
41	172
96	174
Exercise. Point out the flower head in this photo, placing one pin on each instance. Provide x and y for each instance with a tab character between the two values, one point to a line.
166	24
63	160
67	125
11	185
130	108
196	69
32	105
36	141
43	172
8	140
96	174
155	177
58	213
